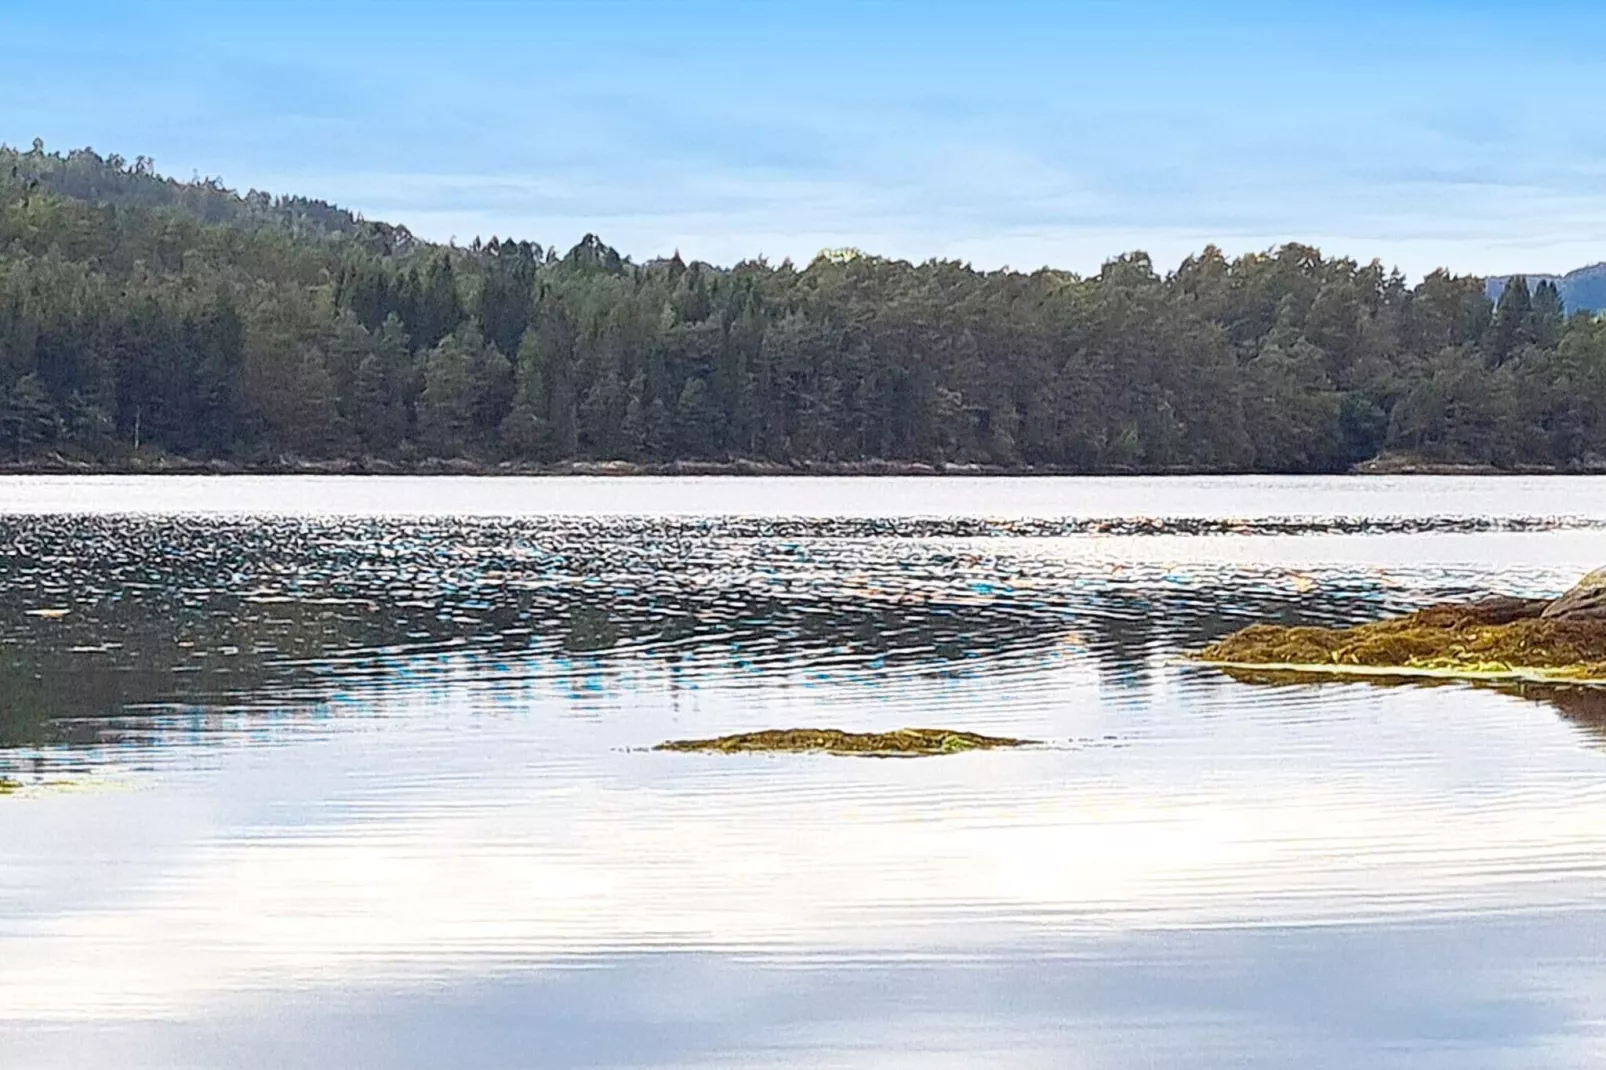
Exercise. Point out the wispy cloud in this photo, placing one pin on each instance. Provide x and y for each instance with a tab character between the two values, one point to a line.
1023	133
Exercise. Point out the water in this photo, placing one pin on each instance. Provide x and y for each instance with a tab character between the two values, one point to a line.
322	772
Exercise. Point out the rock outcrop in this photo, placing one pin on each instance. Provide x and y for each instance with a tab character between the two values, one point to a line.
1586	601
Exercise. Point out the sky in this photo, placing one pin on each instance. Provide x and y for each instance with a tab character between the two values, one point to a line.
1466	135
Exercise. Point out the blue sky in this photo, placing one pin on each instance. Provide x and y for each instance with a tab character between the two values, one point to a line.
1021	132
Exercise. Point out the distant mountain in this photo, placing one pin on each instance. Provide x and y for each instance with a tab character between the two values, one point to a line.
1583	290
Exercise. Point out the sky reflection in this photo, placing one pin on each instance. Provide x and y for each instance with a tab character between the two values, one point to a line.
416	835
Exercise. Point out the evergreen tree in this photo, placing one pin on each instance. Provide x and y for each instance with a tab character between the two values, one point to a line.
1547	316
695	421
455	409
436	308
28	419
1513	320
526	431
633	431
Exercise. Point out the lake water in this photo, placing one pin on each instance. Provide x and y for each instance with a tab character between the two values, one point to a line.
354	772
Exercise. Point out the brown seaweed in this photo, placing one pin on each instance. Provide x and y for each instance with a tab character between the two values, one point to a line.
903	742
1498	636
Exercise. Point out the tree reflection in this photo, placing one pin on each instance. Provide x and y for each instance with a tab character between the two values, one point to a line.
213	619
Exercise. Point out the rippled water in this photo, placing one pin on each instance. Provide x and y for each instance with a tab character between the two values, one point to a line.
322	772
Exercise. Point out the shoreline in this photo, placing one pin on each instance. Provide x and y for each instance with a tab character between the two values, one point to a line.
58	465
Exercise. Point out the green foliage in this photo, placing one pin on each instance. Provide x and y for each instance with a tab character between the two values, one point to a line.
28	420
137	311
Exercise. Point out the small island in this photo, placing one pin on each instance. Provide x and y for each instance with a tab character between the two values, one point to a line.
900	743
1497	639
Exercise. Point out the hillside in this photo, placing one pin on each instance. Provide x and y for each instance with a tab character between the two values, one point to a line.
144	318
84	175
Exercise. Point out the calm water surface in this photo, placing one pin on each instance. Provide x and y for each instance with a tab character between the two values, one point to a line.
323	772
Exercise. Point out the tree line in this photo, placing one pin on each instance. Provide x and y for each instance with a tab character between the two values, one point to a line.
141	316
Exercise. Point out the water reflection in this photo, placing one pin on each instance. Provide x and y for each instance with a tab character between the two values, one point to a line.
1583	705
116	627
359	789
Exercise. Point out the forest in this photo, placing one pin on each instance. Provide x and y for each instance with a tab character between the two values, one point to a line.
145	319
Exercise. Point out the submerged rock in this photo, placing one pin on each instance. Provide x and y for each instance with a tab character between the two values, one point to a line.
904	742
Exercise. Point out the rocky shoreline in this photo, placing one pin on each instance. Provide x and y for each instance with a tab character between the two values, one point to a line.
459	466
161	464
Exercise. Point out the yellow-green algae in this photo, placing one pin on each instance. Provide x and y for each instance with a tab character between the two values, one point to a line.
1499	639
903	742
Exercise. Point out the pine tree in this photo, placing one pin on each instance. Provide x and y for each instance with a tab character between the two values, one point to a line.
1548	316
451	419
437	308
602	416
526	431
633	430
28	419
1513	320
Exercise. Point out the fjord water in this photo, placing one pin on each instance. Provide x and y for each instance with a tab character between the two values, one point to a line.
329	772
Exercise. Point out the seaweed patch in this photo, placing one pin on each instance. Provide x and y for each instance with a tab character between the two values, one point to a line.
1499	639
903	742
